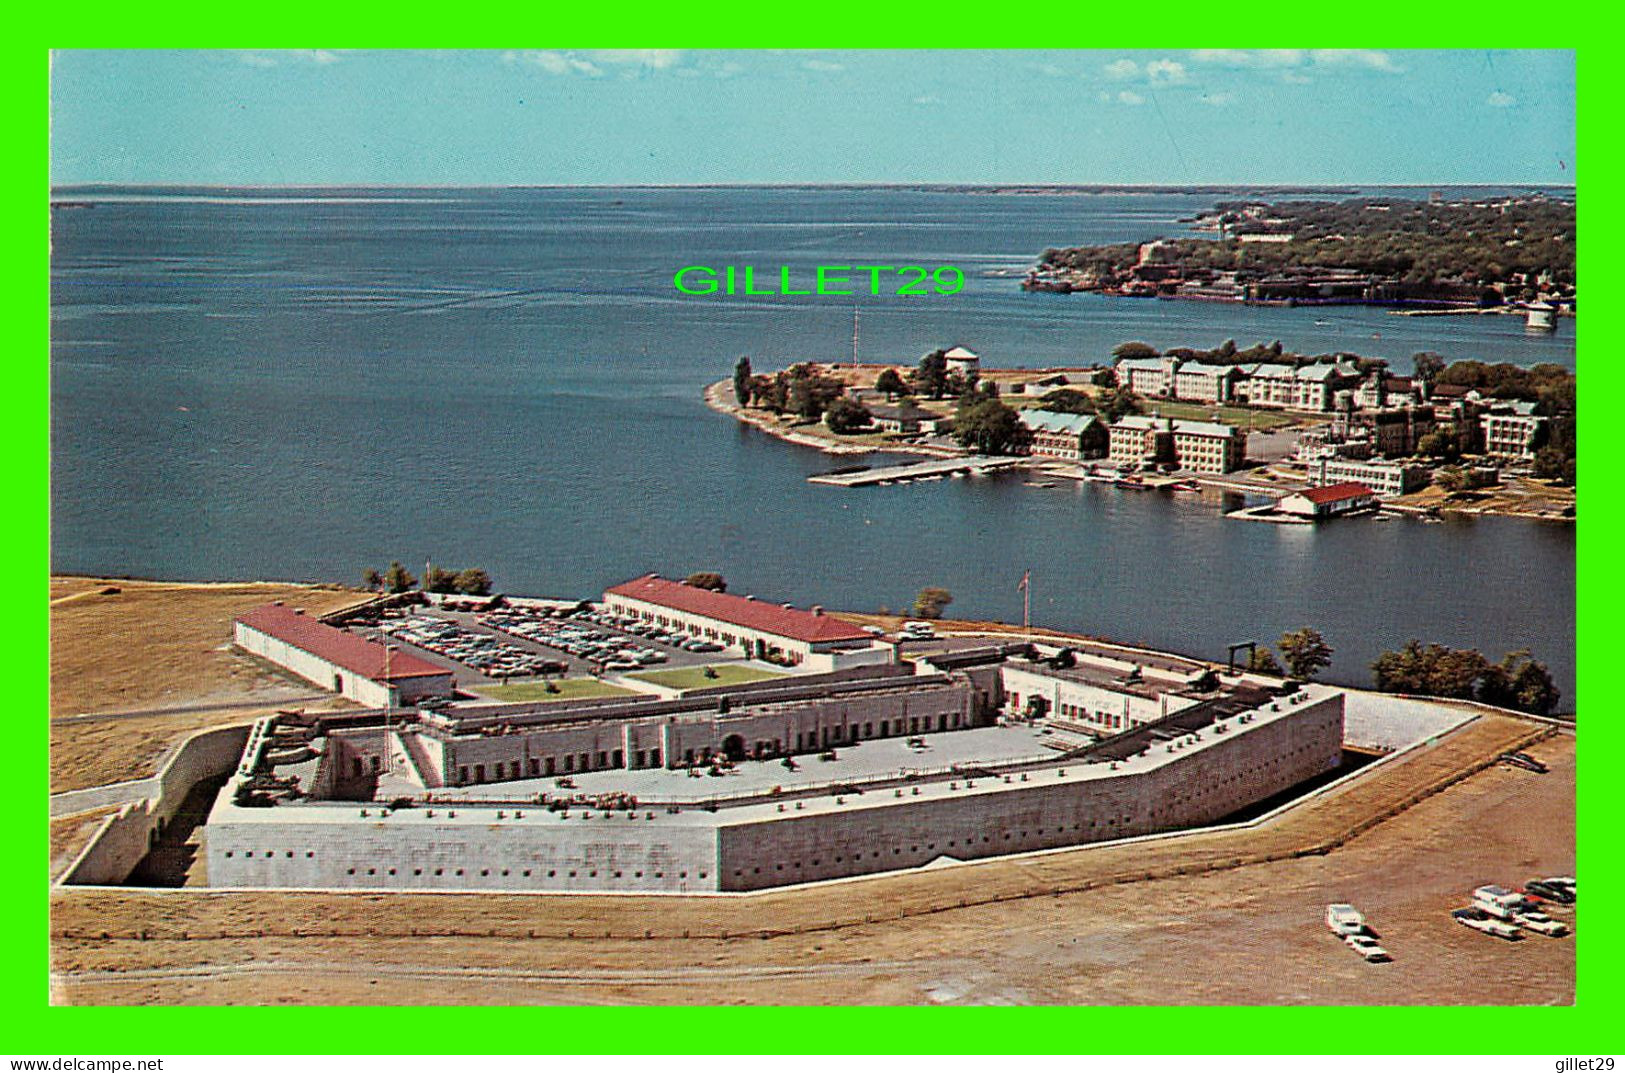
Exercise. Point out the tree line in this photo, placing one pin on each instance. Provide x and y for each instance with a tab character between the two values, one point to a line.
396	578
1504	249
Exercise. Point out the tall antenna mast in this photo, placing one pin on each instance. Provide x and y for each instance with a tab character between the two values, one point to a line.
854	335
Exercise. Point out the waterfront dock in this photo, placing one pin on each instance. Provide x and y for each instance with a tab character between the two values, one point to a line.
933	469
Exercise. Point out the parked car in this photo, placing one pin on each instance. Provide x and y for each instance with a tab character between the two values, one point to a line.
1479	920
1367	947
1536	921
1344	919
1552	893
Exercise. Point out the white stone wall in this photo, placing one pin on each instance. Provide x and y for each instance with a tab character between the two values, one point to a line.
654	851
414	850
1201	786
1102	705
125	837
330	676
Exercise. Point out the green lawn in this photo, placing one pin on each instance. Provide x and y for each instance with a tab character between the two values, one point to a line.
569	689
1262	420
728	674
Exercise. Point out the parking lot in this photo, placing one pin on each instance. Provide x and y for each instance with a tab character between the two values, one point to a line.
524	644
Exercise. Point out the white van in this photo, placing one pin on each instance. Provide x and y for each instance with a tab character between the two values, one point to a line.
1344	919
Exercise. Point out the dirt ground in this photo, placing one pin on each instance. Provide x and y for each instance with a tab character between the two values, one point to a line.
181	632
1247	935
152	646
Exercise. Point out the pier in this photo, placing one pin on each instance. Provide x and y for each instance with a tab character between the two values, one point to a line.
932	469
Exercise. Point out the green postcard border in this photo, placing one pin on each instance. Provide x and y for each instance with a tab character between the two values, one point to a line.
36	1027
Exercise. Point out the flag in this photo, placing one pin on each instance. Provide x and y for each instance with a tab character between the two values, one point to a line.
1026	577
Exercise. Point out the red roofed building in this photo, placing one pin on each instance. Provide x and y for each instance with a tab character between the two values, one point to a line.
756	628
365	671
1328	500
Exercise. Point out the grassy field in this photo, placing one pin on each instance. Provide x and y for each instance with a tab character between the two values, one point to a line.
120	645
568	689
1261	420
182	633
727	674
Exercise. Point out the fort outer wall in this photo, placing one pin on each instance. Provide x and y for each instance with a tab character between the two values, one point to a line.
125	837
878	833
755	847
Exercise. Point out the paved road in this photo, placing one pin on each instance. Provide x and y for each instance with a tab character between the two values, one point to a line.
183	709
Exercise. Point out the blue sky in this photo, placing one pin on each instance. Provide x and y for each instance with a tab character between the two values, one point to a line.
670	116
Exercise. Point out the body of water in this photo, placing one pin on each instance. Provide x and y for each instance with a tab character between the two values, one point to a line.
253	384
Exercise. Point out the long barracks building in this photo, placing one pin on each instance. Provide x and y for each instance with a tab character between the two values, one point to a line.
748	626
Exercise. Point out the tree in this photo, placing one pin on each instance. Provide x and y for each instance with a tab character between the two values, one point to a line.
890	384
1549	464
1427	366
1518	681
397	579
847	415
1104	378
1113	403
1439	444
1532	687
931	378
1452	479
1263	661
1065	659
1306	652
931	601
989	427
742	381
1067	400
707	579
474	582
438	580
371	579
1135	349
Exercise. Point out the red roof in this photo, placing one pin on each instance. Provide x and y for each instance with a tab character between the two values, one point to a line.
1332	493
809	626
355	654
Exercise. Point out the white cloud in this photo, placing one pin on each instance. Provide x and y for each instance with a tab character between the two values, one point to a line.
1500	100
1104	97
1370	59
927	100
1128	96
823	66
275	57
554	63
1122	70
654	59
1166	72
1254	58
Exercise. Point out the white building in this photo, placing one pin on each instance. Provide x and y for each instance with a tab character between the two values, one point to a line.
778	633
1511	430
963	362
1095	707
367	672
1202	446
1291	387
1148	376
1063	436
1328	501
1384	478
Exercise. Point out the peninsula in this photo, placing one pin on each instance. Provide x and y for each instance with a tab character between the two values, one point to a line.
1506	254
1262	421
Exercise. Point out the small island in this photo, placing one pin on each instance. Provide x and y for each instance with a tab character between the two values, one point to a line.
1509	254
1263	421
